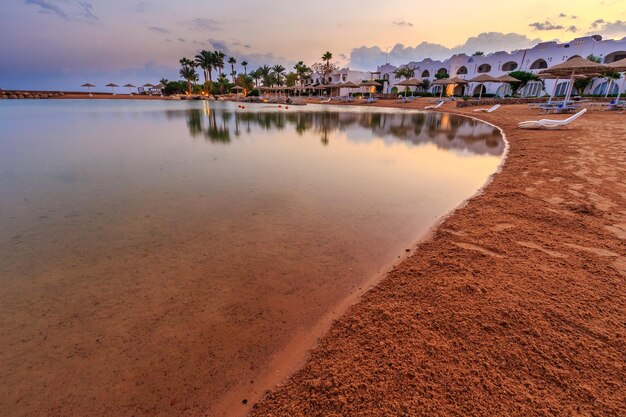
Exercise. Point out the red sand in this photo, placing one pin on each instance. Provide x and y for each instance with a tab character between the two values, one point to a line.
516	306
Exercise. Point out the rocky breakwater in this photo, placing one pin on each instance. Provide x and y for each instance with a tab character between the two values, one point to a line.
13	94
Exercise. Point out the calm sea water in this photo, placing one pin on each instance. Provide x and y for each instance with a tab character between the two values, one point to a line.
155	256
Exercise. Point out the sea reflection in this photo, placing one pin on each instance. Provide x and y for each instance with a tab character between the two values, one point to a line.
219	125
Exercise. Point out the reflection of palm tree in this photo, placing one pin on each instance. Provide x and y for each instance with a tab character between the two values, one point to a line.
415	128
216	133
194	122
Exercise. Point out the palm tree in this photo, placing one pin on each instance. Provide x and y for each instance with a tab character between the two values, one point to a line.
205	60
186	62
189	73
256	76
222	80
327	57
278	71
244	64
303	71
265	73
219	61
232	61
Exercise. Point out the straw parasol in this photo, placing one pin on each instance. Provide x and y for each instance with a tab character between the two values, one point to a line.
619	66
448	81
113	86
129	86
350	86
482	79
89	87
556	83
411	82
506	78
237	88
370	83
572	67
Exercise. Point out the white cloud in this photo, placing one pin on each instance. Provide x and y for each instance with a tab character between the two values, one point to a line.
368	58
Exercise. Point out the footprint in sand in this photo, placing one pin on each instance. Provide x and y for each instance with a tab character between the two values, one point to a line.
554	200
477	248
619	230
535	246
500	227
620	261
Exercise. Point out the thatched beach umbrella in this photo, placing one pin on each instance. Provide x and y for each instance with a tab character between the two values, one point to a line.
350	86
619	66
113	86
412	82
556	82
89	87
573	67
448	81
482	79
506	78
238	89
129	86
371	83
148	85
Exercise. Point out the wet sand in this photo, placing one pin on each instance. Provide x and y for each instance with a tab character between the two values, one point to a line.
515	306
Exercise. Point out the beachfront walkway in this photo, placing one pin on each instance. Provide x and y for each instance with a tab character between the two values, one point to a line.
517	306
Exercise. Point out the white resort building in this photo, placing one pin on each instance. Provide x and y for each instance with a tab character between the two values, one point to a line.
535	59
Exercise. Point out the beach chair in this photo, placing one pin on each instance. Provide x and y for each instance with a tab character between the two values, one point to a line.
371	100
548	123
327	100
490	110
436	106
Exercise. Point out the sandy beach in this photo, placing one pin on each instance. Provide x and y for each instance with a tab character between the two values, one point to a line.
515	306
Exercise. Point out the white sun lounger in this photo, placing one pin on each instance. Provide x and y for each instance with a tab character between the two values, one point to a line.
550	124
491	110
436	106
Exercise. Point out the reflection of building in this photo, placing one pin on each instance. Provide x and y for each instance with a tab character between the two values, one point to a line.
444	130
535	59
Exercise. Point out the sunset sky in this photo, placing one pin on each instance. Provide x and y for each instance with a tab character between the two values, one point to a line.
64	43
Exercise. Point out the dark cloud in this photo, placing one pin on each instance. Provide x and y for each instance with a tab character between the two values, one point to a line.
547	25
204	24
48	7
597	23
368	58
87	10
562	15
404	23
254	59
158	29
182	40
247	46
617	27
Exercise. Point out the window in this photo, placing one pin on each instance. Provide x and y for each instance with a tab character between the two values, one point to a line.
484	68
461	71
509	66
539	64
